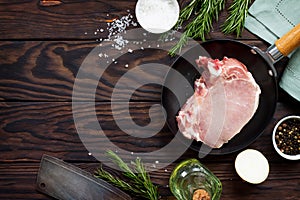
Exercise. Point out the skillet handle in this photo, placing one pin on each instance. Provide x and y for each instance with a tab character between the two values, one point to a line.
290	41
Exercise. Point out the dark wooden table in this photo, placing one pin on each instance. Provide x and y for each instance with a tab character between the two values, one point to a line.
41	50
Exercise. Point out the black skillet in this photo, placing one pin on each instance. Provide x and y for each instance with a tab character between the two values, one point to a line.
259	63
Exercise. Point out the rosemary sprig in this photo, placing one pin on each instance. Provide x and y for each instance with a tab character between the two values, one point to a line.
187	11
101	173
237	14
202	24
182	42
139	181
184	15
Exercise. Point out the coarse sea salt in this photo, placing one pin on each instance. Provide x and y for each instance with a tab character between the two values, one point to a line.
157	16
116	38
115	28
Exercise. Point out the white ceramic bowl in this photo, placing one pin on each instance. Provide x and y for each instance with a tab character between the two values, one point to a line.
157	16
286	156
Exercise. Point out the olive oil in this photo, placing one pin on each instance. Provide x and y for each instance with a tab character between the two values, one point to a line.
191	180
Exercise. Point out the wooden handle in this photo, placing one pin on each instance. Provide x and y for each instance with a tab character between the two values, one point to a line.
290	41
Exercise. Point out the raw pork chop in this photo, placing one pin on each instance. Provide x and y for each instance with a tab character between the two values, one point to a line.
226	97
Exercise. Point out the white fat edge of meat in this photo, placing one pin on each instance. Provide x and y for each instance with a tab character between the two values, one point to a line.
230	66
198	84
212	69
253	81
202	60
191	134
186	118
258	90
188	130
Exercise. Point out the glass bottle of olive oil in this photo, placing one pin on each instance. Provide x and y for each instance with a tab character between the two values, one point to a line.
190	180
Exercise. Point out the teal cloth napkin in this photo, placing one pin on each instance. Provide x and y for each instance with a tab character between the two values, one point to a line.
269	20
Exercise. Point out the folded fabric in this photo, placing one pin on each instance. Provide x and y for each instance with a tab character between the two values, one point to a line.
270	20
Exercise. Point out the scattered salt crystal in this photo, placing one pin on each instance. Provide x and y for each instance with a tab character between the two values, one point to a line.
120	41
115	62
166	170
119	26
142	48
126	66
157	45
113	59
115	28
156	161
149	46
131	153
153	165
100	55
105	55
85	33
89	153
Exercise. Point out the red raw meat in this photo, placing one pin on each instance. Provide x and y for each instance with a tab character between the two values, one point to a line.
226	97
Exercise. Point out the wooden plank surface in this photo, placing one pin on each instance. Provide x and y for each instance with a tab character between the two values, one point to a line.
19	181
42	49
30	129
46	71
72	19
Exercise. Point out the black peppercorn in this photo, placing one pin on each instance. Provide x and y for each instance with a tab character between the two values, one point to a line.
287	137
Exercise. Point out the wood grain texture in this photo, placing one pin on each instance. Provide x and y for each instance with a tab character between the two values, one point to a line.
30	129
72	19
46	71
42	48
18	181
